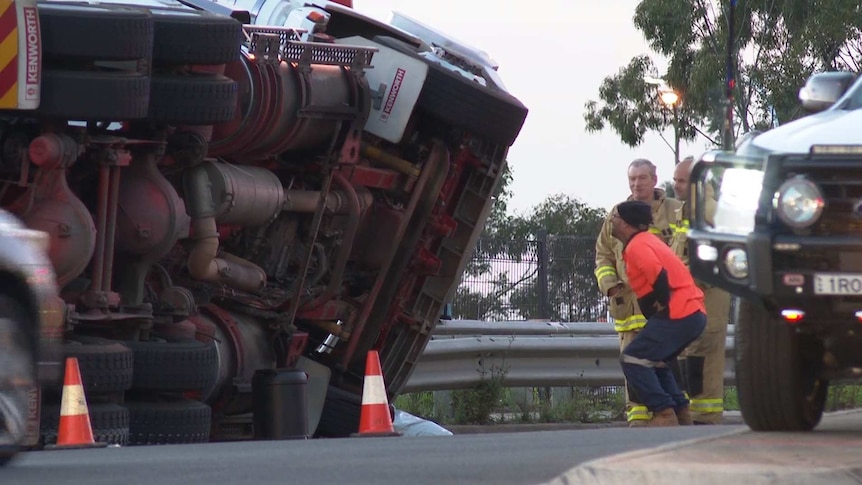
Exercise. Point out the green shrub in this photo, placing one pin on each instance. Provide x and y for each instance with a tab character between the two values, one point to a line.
475	406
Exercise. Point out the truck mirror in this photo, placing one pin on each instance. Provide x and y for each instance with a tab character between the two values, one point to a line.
823	89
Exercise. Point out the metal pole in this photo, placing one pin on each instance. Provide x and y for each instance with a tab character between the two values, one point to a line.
542	256
675	136
730	84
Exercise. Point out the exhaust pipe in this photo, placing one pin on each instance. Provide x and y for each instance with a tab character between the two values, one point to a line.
204	263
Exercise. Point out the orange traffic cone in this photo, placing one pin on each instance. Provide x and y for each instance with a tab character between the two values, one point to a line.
374	419
75	430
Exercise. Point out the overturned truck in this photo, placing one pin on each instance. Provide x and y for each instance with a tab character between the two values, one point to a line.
234	188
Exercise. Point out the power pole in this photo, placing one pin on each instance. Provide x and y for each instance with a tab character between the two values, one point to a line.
730	81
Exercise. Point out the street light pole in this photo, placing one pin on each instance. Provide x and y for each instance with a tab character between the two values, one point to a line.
671	99
675	136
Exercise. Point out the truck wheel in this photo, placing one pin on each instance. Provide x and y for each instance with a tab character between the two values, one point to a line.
105	365
94	96
488	112
95	32
777	372
184	36
162	423
200	99
340	416
110	423
174	365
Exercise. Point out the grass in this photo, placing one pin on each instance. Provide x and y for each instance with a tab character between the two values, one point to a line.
491	403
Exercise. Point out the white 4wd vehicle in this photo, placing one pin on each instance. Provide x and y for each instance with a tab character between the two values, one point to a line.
785	238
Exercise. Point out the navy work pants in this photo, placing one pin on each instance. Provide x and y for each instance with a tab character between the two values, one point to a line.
646	360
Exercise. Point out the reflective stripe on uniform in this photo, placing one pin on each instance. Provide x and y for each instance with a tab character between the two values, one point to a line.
683	226
628	359
634	322
706	405
637	413
604	271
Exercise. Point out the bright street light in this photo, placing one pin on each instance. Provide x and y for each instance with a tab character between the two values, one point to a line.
669	98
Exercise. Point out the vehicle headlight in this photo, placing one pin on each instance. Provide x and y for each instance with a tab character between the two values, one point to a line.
798	202
736	263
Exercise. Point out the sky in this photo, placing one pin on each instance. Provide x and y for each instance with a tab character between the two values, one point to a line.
553	55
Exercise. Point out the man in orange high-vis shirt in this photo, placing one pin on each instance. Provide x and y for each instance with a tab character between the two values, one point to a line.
673	305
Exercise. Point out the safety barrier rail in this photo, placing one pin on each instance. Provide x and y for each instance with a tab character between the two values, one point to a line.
524	354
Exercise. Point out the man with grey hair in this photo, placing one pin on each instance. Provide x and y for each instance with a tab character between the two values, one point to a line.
702	362
611	275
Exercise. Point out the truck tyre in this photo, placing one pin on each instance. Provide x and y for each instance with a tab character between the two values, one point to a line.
173	365
185	36
340	415
110	423
199	99
105	365
174	422
95	32
94	96
488	112
777	372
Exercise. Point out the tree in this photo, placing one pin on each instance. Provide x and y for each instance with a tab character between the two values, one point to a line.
568	229
667	186
782	44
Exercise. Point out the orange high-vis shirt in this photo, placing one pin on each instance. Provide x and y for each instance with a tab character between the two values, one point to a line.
646	256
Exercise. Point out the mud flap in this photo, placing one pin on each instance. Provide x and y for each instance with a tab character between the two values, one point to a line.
318	384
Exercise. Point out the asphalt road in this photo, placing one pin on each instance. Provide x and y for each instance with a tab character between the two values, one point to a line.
703	455
497	458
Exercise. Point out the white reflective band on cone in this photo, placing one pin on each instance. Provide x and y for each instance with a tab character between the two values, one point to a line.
73	401
374	390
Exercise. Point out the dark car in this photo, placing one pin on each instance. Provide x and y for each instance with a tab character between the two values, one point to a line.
31	319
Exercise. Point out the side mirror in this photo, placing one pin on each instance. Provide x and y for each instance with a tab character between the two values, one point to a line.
823	89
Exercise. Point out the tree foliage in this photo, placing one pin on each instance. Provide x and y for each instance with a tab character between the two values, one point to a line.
561	231
778	46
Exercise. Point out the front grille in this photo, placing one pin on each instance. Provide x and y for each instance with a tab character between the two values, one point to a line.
805	261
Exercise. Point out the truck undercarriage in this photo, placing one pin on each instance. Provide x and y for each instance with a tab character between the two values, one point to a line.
223	197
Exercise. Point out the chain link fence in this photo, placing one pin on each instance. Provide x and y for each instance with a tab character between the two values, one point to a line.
548	278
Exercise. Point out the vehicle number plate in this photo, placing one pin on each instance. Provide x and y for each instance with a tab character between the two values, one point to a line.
838	284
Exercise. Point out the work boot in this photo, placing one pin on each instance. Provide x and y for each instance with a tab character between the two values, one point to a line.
665	417
683	415
639	423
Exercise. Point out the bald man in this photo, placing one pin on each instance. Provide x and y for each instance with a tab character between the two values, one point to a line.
702	362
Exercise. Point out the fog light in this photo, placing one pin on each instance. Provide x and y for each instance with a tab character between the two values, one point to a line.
736	263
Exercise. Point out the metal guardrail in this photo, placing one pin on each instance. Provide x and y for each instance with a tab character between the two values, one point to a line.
530	354
469	328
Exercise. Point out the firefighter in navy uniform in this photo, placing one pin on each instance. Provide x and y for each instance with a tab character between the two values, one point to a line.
673	306
702	363
610	269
